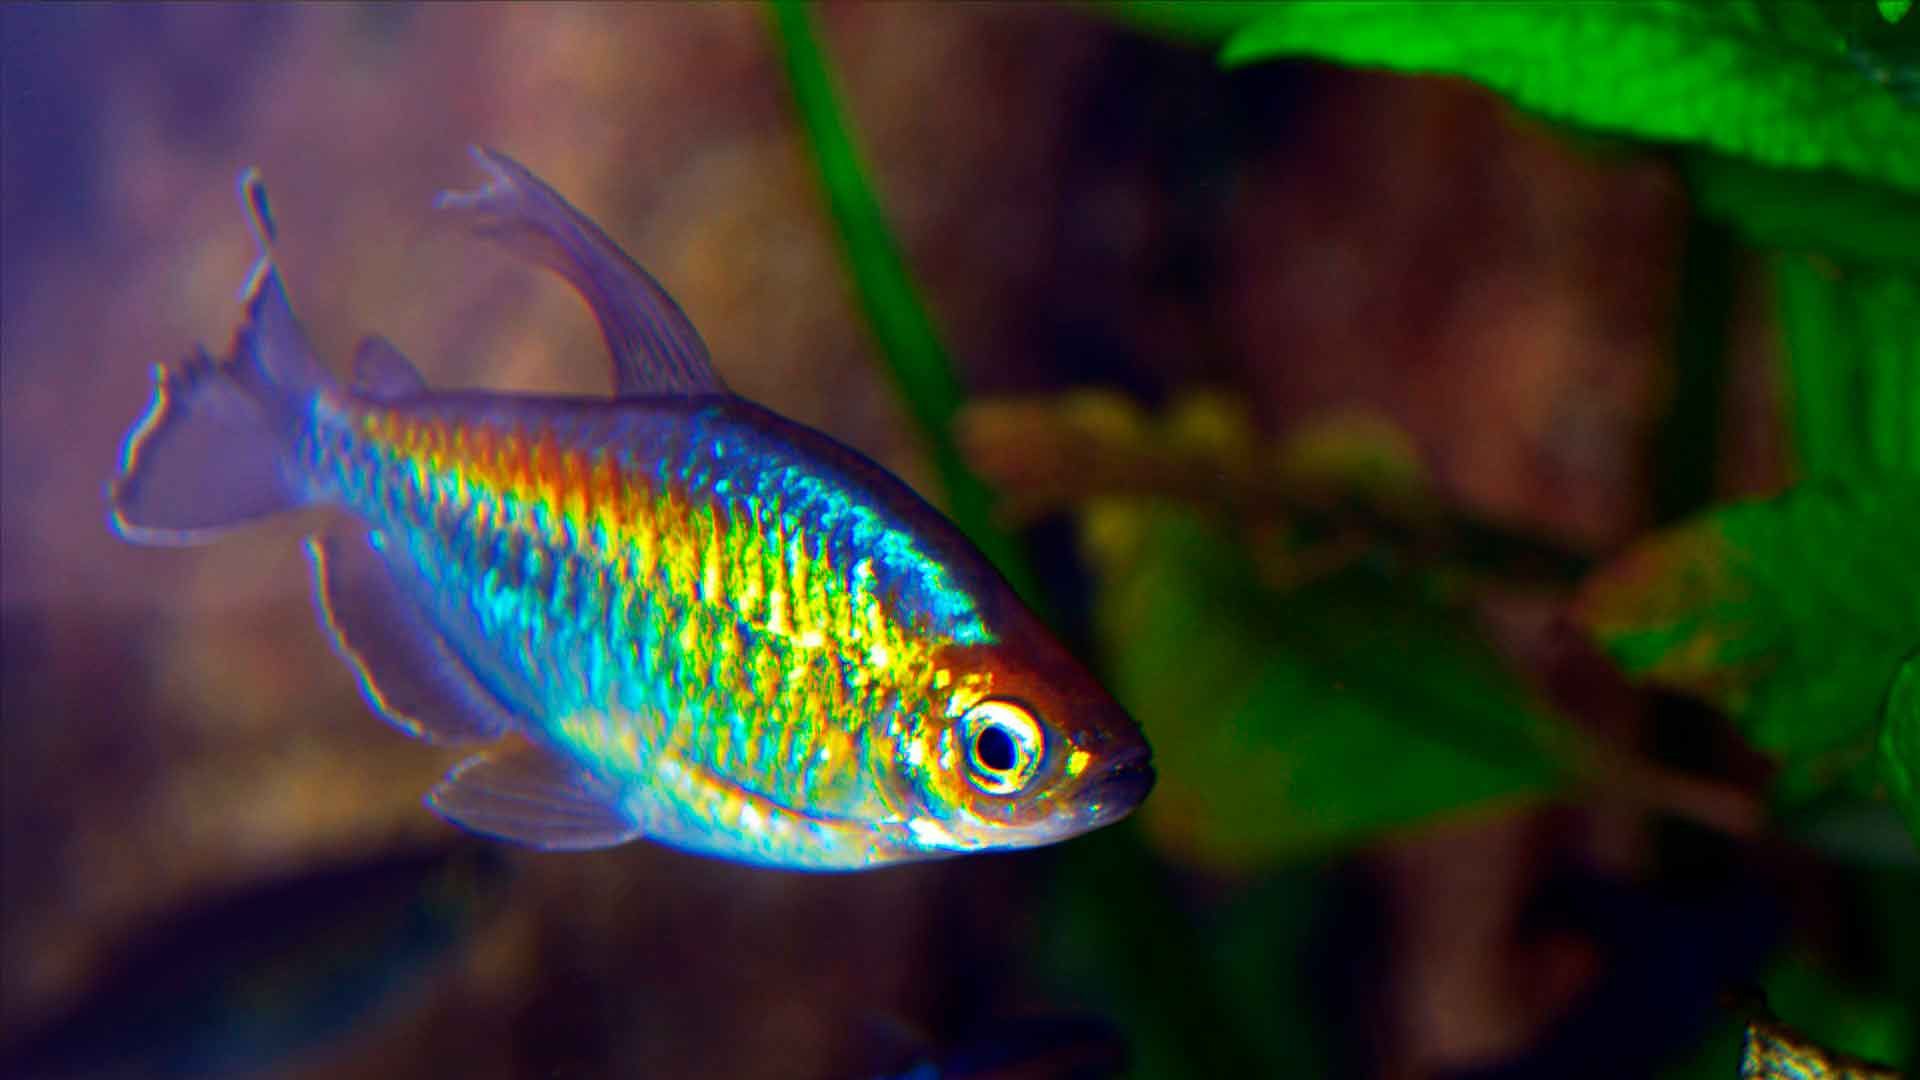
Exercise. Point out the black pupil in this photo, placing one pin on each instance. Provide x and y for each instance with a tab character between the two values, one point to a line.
993	749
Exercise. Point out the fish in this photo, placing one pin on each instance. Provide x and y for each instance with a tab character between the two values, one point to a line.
670	613
262	975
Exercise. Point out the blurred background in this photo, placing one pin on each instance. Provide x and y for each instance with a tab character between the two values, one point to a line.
1196	311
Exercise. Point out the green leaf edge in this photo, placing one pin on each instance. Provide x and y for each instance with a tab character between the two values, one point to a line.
1900	743
1266	39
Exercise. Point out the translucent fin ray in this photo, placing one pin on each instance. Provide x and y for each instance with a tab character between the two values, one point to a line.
213	450
531	796
271	338
655	348
407	670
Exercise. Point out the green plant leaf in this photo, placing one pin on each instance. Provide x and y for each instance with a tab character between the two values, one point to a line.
1291	721
1853	355
1791	613
912	347
1808	212
1832	1017
1900	743
1774	82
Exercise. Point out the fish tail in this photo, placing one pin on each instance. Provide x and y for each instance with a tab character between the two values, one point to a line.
219	443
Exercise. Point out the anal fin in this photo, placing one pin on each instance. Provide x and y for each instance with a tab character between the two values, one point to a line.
407	670
532	796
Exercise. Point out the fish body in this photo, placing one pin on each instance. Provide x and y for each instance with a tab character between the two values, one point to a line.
678	614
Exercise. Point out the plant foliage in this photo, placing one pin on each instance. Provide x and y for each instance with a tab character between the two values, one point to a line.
1799	123
1267	703
1791	613
1900	741
1775	82
1300	703
1853	353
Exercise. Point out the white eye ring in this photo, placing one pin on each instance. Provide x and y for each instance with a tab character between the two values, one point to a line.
1004	745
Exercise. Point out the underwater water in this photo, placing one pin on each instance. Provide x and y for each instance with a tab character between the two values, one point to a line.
1303	395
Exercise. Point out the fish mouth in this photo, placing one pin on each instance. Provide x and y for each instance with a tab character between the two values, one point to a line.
1113	794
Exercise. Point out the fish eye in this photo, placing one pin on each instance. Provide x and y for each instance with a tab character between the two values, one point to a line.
1004	746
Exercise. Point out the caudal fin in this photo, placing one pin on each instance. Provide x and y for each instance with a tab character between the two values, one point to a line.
215	448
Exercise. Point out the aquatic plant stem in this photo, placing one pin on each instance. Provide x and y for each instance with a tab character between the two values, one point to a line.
1686	446
908	340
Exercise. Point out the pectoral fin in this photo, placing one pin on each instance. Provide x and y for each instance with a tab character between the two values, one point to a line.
408	671
655	349
530	795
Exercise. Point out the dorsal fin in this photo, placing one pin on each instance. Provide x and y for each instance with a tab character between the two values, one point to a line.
655	349
382	371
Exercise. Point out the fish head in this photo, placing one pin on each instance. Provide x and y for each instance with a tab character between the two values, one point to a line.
1025	748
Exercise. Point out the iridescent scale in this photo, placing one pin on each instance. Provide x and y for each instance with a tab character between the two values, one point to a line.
670	613
670	590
